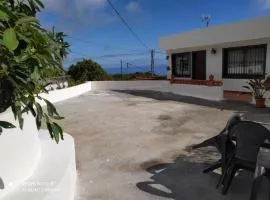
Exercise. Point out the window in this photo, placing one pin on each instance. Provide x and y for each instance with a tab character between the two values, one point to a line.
181	64
244	62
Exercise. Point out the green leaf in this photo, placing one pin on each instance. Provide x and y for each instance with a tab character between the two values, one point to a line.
20	118
36	74
50	108
58	117
3	16
10	39
6	125
39	115
49	126
60	130
246	87
40	3
56	132
27	19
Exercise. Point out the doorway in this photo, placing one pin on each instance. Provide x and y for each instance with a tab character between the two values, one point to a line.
199	65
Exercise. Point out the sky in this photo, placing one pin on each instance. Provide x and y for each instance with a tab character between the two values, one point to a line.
95	31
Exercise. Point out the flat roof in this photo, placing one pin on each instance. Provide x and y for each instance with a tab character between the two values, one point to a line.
255	29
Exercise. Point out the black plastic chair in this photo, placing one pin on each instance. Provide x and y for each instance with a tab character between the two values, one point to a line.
223	145
249	137
262	169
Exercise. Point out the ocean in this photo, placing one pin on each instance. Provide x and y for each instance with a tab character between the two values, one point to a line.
159	70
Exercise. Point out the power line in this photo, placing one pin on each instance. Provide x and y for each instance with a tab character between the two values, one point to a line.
93	58
127	25
119	55
82	40
105	57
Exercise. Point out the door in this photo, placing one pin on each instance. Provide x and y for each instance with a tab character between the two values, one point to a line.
199	65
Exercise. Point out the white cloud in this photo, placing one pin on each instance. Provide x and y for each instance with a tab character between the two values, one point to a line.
75	15
62	4
78	13
133	7
265	4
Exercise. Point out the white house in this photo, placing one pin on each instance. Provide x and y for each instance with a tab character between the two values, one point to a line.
232	53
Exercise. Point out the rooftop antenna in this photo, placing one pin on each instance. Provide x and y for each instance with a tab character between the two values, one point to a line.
206	19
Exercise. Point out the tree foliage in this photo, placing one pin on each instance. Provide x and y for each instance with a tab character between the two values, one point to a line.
25	50
87	70
62	45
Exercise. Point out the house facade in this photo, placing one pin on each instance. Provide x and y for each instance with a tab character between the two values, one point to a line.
229	54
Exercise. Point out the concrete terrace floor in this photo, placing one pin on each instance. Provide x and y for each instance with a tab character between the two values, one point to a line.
130	147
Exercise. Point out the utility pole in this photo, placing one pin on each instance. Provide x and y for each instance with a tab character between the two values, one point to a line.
152	61
121	62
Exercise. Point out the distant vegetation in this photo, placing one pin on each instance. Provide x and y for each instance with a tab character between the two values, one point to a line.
137	76
87	70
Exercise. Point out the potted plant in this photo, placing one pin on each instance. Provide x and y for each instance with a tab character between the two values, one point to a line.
257	87
211	77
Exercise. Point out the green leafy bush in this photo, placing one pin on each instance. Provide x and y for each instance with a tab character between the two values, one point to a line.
26	50
87	70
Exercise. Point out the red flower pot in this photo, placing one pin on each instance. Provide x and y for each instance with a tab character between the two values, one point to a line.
260	103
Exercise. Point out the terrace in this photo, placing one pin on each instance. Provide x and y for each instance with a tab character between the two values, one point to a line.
134	147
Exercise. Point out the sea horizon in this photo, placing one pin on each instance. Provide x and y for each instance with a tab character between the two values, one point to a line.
159	70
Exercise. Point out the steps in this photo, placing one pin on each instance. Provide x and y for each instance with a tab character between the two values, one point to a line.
55	175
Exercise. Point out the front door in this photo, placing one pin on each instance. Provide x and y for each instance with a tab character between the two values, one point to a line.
199	65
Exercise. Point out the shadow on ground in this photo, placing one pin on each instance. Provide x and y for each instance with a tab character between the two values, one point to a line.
183	180
226	104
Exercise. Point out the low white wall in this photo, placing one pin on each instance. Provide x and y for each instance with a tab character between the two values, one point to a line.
20	150
130	85
67	93
200	91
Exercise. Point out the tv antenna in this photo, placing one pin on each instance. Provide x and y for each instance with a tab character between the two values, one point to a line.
206	19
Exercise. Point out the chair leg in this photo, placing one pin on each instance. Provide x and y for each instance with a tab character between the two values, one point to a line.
255	187
259	172
225	171
268	186
222	177
228	180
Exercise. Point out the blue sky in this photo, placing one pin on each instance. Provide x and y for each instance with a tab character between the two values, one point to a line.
95	30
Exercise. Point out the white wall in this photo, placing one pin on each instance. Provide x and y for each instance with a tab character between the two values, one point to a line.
67	93
214	64
20	150
200	91
169	72
129	85
268	59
